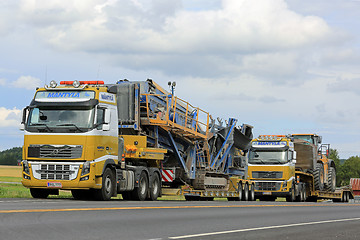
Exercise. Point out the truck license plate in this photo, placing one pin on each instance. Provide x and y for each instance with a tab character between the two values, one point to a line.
54	184
266	193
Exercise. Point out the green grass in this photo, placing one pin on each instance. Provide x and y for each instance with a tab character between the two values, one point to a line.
10	179
9	190
13	191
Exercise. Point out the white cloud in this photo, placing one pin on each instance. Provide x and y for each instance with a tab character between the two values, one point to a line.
125	26
27	82
2	81
236	36
10	117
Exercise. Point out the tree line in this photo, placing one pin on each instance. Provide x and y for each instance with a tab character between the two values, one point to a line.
350	168
11	156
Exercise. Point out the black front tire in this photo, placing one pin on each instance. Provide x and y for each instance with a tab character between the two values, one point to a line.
108	186
291	197
39	193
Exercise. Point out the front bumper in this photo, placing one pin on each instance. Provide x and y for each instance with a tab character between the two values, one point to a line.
60	175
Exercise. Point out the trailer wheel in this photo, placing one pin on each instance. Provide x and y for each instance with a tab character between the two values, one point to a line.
108	186
246	192
331	183
252	193
155	187
319	177
240	190
345	197
39	193
140	193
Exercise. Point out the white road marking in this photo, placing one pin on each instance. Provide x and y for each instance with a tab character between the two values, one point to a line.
263	228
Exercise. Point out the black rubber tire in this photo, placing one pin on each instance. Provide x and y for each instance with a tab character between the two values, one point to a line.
81	194
240	190
108	186
155	187
39	193
238	198
140	193
291	197
331	183
319	177
246	192
346	197
252	193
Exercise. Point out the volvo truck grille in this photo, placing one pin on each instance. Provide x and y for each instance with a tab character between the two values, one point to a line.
267	174
55	151
267	186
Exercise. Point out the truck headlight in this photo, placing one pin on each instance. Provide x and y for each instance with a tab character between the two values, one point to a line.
26	168
85	168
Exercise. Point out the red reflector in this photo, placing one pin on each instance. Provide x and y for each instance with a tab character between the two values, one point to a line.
82	82
66	82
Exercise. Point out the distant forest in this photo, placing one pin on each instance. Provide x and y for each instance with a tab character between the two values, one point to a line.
11	156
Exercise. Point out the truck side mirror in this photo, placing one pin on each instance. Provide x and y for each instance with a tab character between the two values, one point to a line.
294	157
107	118
23	119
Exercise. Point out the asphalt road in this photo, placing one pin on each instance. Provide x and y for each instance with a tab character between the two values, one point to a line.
64	219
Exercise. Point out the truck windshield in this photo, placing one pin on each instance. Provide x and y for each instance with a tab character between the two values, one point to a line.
307	138
267	157
60	119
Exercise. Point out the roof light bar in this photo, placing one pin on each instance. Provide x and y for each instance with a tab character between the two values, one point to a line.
82	82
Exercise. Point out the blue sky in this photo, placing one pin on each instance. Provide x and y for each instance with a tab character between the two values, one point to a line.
283	66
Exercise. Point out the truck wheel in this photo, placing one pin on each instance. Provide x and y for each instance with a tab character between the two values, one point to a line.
240	191
140	193
155	187
291	197
319	177
252	193
246	193
108	186
331	183
39	193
